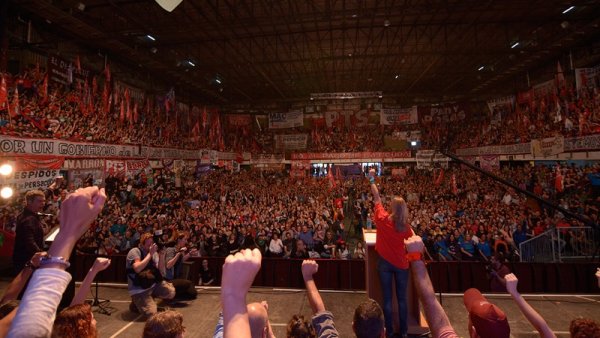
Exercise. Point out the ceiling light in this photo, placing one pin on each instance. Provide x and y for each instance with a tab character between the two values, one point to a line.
514	45
480	68
397	76
191	63
218	81
568	9
150	37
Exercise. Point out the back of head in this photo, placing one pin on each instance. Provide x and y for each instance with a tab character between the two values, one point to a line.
75	322
368	320
399	213
488	320
258	318
298	327
167	324
584	328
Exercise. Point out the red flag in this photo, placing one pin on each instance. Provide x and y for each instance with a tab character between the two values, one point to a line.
107	72
122	116
454	187
105	95
3	94
440	177
560	77
94	86
14	109
559	183
45	88
78	63
136	116
331	179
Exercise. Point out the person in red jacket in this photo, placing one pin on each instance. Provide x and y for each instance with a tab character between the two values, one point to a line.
392	229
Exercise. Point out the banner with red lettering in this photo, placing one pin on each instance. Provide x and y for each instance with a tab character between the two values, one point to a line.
30	174
137	165
489	162
351	156
239	119
394	116
115	167
40	162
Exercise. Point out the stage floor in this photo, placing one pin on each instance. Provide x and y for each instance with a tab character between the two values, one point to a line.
200	315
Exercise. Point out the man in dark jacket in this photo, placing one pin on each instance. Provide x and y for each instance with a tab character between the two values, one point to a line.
29	237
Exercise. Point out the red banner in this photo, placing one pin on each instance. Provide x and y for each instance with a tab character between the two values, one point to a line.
28	163
350	156
239	120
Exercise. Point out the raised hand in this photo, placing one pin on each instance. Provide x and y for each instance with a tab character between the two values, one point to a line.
414	244
309	268
100	264
239	271
511	283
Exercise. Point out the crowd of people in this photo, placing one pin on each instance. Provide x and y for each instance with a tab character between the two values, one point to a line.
65	112
36	314
221	212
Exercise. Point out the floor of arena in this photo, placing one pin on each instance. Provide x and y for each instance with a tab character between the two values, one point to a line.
200	315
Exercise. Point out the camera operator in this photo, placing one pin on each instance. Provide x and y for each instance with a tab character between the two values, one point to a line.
497	270
175	253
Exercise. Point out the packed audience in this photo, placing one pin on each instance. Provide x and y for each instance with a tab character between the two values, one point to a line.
60	113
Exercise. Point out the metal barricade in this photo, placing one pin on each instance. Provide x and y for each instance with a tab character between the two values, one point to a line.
575	242
540	248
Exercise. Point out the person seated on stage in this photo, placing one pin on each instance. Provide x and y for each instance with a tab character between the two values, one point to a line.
532	316
144	280
258	316
206	275
239	271
171	260
166	324
37	310
437	319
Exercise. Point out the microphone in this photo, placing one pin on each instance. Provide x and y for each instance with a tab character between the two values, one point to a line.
43	214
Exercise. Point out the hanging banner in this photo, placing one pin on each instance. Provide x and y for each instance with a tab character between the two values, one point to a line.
427	158
548	146
40	162
544	88
489	162
443	113
290	119
30	174
238	119
509	149
395	116
83	164
351	156
501	103
136	166
65	72
291	142
115	167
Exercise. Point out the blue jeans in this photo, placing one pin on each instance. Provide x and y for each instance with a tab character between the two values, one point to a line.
387	272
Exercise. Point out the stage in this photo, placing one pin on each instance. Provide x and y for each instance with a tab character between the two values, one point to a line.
200	315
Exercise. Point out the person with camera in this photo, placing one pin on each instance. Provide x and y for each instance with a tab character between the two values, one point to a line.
172	257
144	280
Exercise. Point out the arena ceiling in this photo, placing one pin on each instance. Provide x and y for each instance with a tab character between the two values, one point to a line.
257	52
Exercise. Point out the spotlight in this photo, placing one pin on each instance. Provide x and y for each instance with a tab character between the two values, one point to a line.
514	45
413	143
6	192
480	68
6	169
568	9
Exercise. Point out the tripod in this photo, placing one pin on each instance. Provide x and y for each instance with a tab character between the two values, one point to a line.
101	304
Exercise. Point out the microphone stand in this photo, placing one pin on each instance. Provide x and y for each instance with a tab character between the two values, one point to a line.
99	303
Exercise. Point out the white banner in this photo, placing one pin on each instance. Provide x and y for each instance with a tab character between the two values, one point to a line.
83	164
548	146
391	116
426	158
291	119
31	179
291	142
508	101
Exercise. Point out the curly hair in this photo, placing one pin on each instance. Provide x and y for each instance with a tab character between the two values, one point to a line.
298	327
167	324
584	328
75	322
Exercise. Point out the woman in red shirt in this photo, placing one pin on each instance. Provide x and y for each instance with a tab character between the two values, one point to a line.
392	230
